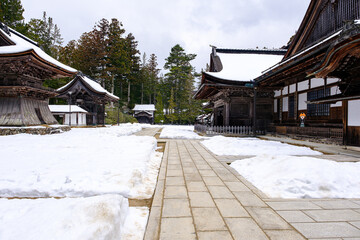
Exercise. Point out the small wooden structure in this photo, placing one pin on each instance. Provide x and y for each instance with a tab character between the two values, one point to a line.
144	113
62	114
89	95
23	69
320	74
230	88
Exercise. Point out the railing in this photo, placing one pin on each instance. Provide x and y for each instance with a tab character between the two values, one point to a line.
228	130
316	132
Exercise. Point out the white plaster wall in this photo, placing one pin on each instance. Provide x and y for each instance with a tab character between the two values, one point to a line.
292	88
81	120
285	90
277	93
332	80
333	91
301	99
354	113
285	104
304	85
275	105
317	82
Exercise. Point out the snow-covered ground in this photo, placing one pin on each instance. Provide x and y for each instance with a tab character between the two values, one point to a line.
301	177
82	162
92	170
221	145
179	132
100	217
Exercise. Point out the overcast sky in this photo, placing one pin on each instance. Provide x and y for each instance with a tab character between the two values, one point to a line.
194	24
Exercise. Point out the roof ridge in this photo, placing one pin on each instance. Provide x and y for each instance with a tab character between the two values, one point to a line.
252	51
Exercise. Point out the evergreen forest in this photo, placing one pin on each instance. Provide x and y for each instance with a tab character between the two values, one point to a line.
109	54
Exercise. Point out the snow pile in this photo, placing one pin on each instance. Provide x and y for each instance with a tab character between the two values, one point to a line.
301	177
82	162
220	145
123	129
134	228
178	131
100	217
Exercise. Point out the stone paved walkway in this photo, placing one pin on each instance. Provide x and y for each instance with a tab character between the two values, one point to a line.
148	132
198	197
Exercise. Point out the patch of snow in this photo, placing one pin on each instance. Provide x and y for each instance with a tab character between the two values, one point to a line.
179	132
94	85
144	107
65	108
22	46
244	67
81	162
220	145
135	225
100	217
301	177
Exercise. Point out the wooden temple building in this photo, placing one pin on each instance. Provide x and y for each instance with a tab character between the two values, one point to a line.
144	113
90	96
230	89
23	69
320	74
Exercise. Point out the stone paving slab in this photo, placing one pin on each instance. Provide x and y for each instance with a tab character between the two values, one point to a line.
199	197
327	230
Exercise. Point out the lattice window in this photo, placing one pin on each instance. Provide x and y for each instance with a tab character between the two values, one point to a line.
291	106
318	109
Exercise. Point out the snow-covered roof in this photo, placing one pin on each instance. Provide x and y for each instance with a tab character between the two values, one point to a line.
244	66
24	44
144	107
92	84
66	109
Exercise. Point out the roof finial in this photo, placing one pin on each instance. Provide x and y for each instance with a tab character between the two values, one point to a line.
213	49
5	28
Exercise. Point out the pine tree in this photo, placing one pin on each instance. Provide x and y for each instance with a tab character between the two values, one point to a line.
47	34
180	78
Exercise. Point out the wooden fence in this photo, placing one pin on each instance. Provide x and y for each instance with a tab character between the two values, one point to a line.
228	130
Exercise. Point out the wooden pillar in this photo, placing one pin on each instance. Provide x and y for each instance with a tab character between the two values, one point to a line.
227	113
254	122
345	121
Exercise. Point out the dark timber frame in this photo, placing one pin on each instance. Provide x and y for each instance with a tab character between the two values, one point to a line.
325	50
233	102
82	94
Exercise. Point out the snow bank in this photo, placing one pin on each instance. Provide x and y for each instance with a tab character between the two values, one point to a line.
220	145
178	131
82	162
100	217
135	225
301	177
123	129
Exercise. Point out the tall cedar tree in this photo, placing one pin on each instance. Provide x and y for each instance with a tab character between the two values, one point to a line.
108	56
180	79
